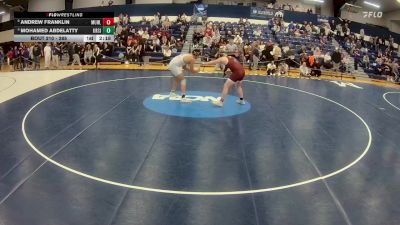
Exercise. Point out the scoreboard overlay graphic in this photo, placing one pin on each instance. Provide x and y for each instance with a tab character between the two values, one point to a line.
64	27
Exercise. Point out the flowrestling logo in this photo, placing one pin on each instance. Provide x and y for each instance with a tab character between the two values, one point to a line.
201	106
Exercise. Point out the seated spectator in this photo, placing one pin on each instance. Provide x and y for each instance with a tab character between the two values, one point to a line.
308	28
395	71
130	54
336	59
107	49
207	41
143	21
232	49
276	53
125	19
118	29
366	61
271	69
304	71
291	27
257	32
140	31
316	69
238	40
75	56
166	54
247	23
166	23
88	56
247	51
283	69
327	61
145	35
241	21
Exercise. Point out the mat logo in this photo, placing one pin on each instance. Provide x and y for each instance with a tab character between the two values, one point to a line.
194	98
343	84
201	106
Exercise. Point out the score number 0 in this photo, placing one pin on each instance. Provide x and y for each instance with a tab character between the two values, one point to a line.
108	21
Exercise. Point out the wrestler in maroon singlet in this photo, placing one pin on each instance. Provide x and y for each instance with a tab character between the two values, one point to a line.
235	79
236	68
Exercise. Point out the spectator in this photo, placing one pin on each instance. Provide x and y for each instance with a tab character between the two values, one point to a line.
277	53
145	35
118	29
232	49
247	49
1	58
56	54
271	69
31	53
47	56
283	69
255	55
257	32
166	54
366	61
336	59
327	61
133	52
106	50
25	57
238	40
304	71
36	56
141	51
10	57
75	56
166	23
395	71
88	56
96	53
316	69
291	27
17	58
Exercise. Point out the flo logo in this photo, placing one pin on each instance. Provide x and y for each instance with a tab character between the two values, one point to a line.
201	106
373	14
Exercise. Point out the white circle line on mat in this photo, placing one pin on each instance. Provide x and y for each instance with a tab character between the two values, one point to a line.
384	97
203	193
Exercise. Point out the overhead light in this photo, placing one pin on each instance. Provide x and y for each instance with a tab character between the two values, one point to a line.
320	1
372	4
2	12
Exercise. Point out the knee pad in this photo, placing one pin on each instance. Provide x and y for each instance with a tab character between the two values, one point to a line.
183	82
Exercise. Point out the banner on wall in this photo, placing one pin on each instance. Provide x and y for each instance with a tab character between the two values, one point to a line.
264	13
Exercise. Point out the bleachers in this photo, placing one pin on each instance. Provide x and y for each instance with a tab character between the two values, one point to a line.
372	70
308	41
175	31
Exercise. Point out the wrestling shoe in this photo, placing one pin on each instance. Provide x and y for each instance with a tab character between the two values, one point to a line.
185	100
218	103
240	102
